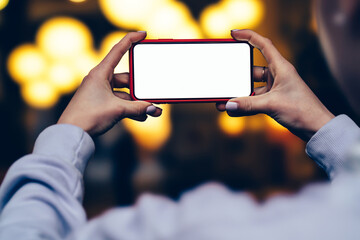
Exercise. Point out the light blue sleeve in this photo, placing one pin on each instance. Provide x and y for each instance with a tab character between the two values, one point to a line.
41	195
331	145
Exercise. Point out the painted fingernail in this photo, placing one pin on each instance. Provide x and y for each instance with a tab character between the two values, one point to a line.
235	30
231	106
141	31
150	109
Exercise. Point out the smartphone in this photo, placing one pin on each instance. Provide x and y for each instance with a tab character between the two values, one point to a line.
190	70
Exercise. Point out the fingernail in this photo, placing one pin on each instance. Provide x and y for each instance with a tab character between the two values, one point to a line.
235	30
150	109
231	106
141	31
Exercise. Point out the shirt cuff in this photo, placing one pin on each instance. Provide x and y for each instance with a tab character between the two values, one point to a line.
330	145
67	143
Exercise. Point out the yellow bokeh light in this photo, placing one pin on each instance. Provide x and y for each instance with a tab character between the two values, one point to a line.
109	41
274	124
168	19
3	4
255	123
232	126
153	133
215	22
244	13
77	1
39	94
26	63
62	77
129	14
83	63
64	38
218	19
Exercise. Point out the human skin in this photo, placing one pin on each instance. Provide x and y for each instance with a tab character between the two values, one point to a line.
95	107
286	98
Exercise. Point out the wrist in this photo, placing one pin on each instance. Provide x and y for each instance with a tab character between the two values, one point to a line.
84	125
315	123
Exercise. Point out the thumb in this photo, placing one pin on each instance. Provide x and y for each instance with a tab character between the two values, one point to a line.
135	109
246	106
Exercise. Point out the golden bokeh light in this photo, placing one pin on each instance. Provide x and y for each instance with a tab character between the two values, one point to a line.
3	4
83	63
109	41
152	134
256	123
26	63
171	21
62	77
129	14
274	124
232	126
214	22
244	13
39	94
218	19
64	38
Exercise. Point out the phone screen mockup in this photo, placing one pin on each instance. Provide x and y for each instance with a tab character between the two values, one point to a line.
190	70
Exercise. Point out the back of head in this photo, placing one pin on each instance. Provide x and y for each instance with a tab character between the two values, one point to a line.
339	32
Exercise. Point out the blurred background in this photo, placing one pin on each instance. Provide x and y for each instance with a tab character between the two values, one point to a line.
48	46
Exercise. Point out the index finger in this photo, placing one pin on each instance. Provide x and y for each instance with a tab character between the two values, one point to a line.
113	58
274	59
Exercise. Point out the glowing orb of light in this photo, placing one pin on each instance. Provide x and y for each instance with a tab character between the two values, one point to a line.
108	42
64	38
3	4
26	63
153	133
166	21
231	126
39	94
218	19
83	63
129	14
62	77
275	125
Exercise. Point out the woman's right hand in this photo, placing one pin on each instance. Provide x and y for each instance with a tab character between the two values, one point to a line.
286	98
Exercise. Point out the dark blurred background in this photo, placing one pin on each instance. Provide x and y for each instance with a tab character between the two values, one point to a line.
47	46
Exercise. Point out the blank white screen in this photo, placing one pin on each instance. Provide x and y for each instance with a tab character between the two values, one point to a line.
191	70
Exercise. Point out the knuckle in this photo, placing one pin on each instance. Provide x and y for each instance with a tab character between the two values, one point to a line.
94	73
247	106
268	41
139	110
290	69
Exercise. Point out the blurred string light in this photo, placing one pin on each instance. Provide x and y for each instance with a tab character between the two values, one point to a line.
217	19
161	18
56	64
152	134
3	4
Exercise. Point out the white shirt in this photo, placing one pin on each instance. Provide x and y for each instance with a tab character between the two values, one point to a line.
41	197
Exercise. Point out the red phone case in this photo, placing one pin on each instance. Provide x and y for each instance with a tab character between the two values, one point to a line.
188	100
